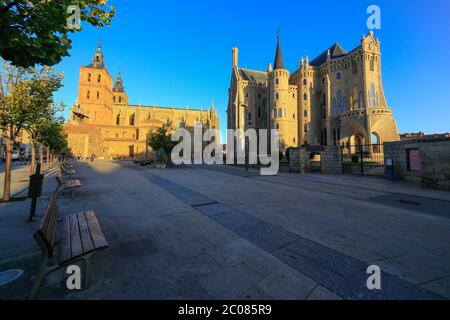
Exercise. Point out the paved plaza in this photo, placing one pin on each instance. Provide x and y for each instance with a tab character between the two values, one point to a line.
219	232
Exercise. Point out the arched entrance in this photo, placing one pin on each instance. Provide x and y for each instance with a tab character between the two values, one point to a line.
376	143
363	155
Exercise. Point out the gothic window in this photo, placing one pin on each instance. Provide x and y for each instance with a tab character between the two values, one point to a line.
354	67
120	99
355	98
305	127
280	113
275	113
98	95
259	112
305	82
132	117
305	97
305	113
99	78
373	95
334	107
277	96
278	126
118	119
88	94
114	98
361	99
338	76
277	81
339	101
89	77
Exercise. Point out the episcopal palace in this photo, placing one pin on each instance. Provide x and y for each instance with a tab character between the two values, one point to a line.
336	98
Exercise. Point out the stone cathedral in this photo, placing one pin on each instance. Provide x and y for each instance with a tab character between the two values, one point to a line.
336	98
104	123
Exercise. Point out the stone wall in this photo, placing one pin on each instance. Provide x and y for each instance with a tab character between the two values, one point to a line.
429	165
330	159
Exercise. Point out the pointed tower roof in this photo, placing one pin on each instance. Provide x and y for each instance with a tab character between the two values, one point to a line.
279	63
98	61
118	84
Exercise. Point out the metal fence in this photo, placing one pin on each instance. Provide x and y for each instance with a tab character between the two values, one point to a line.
366	159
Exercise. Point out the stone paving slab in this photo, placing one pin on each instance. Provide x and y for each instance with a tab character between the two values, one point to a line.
202	234
329	268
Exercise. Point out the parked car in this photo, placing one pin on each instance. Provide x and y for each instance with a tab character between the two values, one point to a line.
15	155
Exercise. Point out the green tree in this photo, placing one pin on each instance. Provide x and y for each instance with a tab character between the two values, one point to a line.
37	31
161	139
26	102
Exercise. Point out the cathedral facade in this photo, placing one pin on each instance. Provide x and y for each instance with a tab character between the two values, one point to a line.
102	122
336	98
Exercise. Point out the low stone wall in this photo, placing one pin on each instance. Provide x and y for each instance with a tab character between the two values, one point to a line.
330	159
423	161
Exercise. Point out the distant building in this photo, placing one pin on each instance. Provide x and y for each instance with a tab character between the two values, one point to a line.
421	135
336	98
102	122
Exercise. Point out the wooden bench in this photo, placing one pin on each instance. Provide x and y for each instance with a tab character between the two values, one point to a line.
68	171
81	238
71	185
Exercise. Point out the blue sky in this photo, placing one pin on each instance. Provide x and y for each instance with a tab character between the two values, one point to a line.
178	53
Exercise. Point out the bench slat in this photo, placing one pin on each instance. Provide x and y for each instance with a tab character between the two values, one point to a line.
75	240
86	239
64	249
47	227
72	184
97	235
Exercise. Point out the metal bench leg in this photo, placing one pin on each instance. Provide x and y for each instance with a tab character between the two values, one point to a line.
39	277
87	272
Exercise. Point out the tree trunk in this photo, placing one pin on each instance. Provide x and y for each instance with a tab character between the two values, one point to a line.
41	158
47	158
33	158
8	163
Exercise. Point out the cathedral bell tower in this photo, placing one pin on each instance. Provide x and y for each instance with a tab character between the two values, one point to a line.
95	90
119	95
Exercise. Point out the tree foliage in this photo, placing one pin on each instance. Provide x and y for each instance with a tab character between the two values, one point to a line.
36	31
26	98
161	139
26	104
